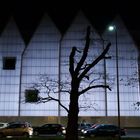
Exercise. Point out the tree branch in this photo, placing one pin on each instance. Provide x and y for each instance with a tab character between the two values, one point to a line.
100	57
85	52
71	60
65	91
91	87
47	99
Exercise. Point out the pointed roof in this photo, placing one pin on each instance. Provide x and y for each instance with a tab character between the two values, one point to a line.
46	28
80	24
11	33
122	34
123	30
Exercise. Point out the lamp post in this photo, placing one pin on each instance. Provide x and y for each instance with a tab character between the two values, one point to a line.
113	28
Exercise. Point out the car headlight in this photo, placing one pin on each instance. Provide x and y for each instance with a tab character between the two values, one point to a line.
64	131
30	132
84	132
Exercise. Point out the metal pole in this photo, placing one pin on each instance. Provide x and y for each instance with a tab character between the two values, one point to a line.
20	82
117	74
106	107
59	80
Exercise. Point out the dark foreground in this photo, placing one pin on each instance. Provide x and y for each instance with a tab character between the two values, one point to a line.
62	138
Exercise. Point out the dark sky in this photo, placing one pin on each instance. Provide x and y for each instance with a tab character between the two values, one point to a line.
27	13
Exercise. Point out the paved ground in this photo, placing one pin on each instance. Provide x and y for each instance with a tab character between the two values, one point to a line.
133	133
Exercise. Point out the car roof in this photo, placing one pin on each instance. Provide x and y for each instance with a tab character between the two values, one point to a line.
18	122
107	125
4	122
52	124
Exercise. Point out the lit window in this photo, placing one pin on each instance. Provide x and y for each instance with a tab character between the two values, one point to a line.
9	63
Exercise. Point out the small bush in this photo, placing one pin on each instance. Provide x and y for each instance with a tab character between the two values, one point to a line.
31	95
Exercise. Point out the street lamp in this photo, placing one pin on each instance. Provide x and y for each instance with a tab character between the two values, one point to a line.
111	29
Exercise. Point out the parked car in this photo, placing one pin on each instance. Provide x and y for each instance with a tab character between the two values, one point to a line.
104	130
17	129
56	129
82	126
89	127
3	125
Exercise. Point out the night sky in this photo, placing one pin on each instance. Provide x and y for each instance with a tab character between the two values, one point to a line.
28	14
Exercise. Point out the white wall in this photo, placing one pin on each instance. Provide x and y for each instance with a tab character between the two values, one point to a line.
11	45
41	57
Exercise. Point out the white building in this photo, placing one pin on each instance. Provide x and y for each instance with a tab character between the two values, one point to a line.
48	52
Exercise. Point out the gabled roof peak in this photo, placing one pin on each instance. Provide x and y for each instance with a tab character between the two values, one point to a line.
11	28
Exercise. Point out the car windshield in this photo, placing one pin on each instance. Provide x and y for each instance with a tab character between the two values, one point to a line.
1	124
84	125
98	126
89	125
45	125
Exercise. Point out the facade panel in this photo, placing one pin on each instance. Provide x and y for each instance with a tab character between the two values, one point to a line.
127	69
11	45
41	57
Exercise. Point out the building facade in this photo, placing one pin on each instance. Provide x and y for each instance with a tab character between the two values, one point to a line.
48	53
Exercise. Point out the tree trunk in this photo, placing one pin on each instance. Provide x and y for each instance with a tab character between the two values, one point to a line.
72	126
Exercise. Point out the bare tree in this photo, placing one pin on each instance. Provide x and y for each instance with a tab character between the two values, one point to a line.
79	71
